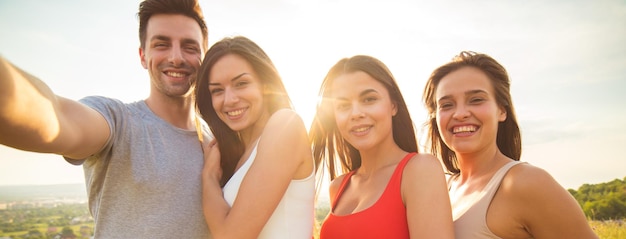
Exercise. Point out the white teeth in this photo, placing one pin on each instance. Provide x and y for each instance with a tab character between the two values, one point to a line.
235	113
466	128
361	129
175	74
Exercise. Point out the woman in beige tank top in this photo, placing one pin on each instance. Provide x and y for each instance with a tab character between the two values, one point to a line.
473	129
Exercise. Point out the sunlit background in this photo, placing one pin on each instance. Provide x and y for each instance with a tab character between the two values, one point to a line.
566	60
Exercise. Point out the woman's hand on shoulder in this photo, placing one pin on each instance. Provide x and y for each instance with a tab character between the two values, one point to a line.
212	169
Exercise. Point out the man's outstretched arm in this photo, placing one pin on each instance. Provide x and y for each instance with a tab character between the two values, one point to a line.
33	118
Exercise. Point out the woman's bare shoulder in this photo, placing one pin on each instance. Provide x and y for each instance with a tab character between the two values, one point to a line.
531	184
284	120
334	186
423	162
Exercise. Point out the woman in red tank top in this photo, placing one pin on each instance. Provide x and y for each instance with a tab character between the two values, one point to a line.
386	189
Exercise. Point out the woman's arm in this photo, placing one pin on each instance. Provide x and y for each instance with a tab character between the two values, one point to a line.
283	154
545	208
425	195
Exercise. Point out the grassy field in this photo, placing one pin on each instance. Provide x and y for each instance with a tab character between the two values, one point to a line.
44	228
609	229
604	230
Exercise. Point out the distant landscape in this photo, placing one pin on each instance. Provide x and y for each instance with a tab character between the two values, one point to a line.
45	211
34	192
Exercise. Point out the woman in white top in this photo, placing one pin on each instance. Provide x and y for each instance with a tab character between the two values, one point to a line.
473	129
260	154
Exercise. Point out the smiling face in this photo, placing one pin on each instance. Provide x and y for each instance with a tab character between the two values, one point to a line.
467	111
363	110
172	54
237	94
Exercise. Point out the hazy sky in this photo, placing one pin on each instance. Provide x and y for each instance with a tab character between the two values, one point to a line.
566	60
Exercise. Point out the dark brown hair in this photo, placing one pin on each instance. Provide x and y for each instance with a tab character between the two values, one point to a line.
189	8
509	139
326	139
230	145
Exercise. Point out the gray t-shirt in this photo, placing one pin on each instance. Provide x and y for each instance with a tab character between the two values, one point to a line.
146	181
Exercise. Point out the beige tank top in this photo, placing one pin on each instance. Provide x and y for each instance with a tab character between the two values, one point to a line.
470	213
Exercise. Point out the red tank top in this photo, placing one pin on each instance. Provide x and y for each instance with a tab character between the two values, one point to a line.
385	219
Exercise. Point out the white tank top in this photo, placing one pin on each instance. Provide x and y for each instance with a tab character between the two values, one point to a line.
293	217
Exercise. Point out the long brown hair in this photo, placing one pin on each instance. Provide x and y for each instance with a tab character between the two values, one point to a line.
230	145
509	139
326	141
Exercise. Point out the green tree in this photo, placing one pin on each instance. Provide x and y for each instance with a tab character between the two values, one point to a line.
67	232
602	201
